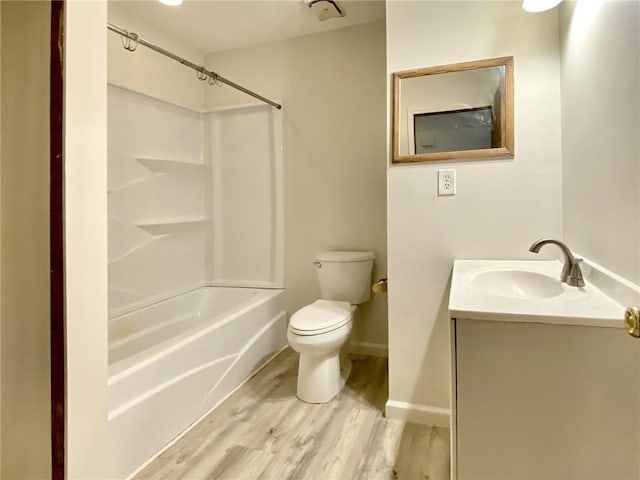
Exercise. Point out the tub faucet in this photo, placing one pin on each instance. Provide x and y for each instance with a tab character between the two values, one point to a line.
571	273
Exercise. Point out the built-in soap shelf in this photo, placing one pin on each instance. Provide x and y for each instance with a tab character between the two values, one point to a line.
163	165
164	226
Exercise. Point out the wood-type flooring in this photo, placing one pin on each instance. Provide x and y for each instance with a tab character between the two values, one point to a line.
262	431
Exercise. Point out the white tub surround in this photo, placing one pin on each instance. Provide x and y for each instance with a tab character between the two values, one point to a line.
532	355
244	146
174	361
194	199
157	200
195	207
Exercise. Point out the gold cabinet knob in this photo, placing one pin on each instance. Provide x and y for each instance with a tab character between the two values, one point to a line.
632	321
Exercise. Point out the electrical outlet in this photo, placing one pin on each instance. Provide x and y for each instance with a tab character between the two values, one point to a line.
447	182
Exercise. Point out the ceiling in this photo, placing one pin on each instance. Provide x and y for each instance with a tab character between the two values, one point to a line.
215	25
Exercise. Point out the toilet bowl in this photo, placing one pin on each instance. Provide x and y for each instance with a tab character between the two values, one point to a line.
320	331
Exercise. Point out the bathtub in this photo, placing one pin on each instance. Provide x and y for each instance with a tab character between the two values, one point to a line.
172	362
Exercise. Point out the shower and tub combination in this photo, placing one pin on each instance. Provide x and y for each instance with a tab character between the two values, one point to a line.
196	302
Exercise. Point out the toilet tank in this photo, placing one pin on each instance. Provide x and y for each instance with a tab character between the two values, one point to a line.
345	276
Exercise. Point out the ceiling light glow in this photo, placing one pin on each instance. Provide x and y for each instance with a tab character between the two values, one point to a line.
539	5
172	3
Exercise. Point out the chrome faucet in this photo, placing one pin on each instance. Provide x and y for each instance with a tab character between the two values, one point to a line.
571	273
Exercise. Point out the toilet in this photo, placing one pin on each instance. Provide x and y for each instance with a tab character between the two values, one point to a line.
320	330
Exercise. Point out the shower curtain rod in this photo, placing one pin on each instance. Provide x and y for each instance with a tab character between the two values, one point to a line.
203	73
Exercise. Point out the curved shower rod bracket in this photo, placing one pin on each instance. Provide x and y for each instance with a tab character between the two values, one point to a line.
131	41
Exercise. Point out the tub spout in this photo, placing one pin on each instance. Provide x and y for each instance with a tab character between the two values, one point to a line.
571	273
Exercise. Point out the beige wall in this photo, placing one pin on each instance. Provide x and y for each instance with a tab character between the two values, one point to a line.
145	71
332	89
600	132
501	206
25	434
85	190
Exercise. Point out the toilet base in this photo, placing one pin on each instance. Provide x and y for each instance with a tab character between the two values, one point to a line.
319	374
321	377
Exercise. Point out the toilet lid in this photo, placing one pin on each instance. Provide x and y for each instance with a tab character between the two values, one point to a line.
344	256
321	316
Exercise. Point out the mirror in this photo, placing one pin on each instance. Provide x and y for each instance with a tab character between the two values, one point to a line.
459	111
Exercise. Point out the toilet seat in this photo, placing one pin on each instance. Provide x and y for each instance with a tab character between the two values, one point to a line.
319	317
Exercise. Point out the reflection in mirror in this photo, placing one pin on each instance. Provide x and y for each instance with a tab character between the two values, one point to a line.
459	111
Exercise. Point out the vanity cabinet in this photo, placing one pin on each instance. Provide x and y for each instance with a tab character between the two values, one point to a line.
544	401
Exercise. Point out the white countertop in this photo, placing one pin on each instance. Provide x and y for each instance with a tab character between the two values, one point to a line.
586	306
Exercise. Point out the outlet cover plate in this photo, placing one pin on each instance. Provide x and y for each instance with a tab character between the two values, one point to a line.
447	182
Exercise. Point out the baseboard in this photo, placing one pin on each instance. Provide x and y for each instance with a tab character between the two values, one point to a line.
368	348
413	412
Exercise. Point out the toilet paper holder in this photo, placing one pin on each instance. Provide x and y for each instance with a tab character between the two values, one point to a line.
380	286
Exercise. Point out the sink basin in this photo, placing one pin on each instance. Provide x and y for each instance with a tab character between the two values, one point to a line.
512	283
528	291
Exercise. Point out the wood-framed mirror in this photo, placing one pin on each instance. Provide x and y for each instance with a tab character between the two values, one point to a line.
460	111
